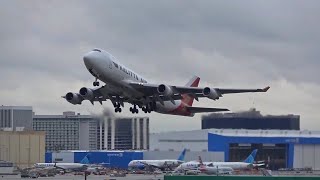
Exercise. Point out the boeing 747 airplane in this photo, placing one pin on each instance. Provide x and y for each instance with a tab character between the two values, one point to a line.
124	85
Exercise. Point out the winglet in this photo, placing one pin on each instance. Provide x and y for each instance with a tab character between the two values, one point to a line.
266	89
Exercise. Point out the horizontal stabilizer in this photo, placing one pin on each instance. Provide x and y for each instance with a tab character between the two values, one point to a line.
202	109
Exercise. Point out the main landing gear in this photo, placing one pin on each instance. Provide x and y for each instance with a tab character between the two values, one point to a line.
117	107
134	109
146	109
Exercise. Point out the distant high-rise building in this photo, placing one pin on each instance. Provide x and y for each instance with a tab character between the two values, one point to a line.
69	131
72	131
250	120
123	133
16	117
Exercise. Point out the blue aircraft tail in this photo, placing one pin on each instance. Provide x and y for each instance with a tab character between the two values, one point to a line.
86	160
181	156
250	158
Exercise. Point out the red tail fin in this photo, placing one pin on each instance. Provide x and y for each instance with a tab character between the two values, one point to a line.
186	98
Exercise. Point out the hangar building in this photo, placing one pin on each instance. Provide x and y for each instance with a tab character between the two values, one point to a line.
280	148
118	159
251	119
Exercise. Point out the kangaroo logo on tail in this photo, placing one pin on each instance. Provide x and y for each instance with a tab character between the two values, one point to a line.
186	98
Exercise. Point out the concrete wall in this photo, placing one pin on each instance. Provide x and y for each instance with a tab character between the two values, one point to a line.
175	141
22	148
307	155
190	155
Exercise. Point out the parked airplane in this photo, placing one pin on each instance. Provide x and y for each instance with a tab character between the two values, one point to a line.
83	165
160	164
221	166
247	163
124	85
196	167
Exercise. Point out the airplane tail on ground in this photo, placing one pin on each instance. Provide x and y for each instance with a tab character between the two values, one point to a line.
187	98
250	158
181	156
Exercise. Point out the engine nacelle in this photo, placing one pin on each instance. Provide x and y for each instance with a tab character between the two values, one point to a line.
165	90
73	98
86	93
210	93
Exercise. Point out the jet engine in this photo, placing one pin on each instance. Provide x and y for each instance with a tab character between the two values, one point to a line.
140	166
210	93
73	98
86	93
165	90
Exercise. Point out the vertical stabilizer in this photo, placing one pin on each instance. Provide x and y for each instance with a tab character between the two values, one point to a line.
250	158
188	98
181	156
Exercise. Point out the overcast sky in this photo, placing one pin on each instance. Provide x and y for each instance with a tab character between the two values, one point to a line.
232	44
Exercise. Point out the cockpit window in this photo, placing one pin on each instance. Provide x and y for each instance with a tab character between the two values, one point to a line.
115	64
96	50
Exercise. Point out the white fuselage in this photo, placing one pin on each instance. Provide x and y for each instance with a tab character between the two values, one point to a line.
205	167
66	166
233	165
117	77
158	163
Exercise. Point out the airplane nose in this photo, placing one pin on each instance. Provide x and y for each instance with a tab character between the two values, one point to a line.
87	58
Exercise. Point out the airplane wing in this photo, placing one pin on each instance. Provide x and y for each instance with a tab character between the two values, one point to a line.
103	94
212	93
201	109
154	93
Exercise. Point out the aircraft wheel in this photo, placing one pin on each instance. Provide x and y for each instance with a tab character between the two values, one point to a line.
130	109
96	83
137	111
116	110
119	109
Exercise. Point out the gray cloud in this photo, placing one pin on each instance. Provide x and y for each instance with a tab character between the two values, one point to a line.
238	44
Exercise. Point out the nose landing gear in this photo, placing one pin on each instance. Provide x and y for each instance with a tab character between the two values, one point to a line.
96	82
